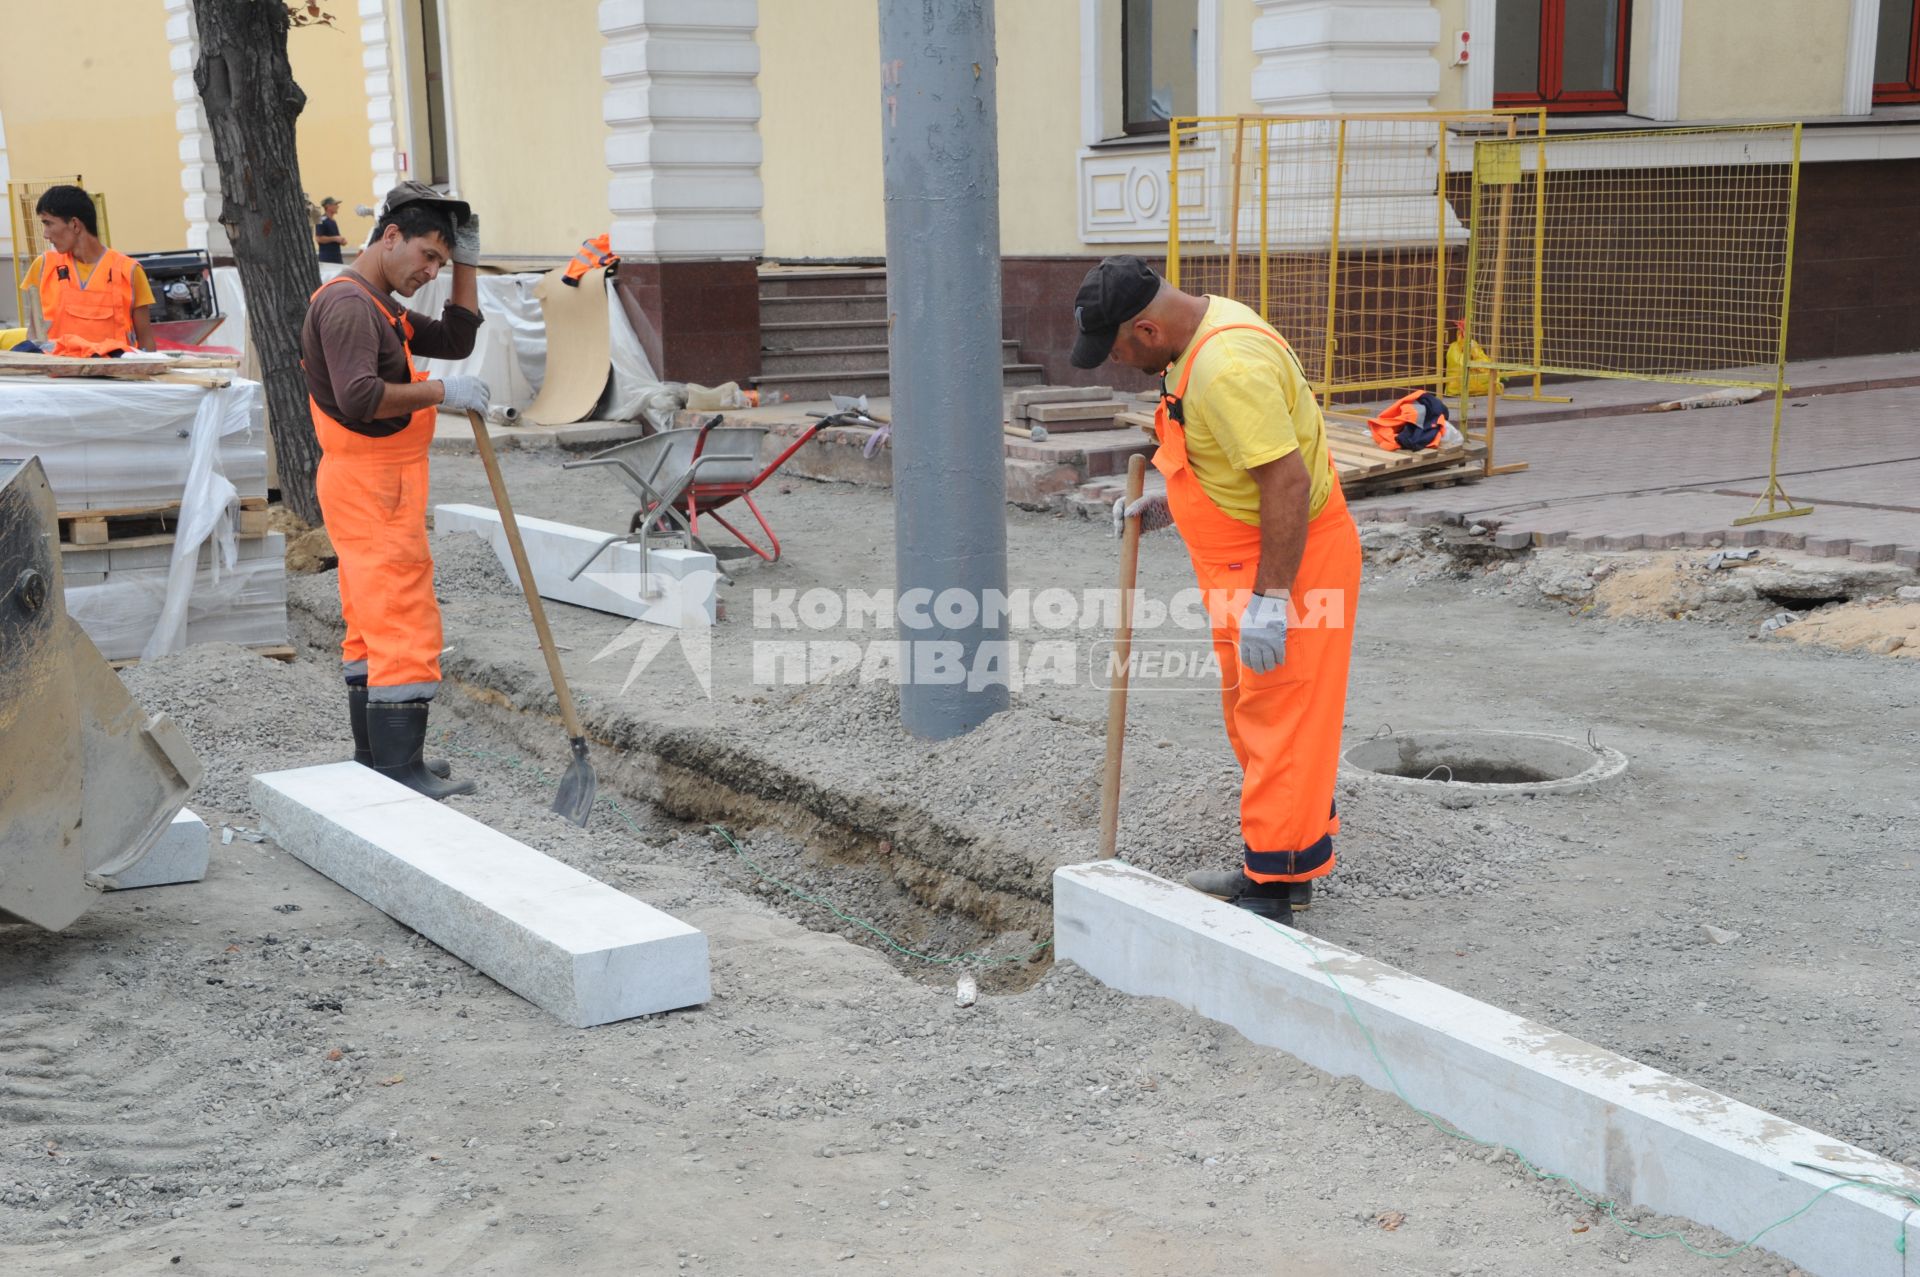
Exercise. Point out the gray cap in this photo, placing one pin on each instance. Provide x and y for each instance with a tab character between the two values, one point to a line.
412	192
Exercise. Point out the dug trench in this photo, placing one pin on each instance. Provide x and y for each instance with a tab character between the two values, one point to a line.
925	890
1596	912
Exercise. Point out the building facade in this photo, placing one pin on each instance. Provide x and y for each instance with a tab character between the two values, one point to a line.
712	135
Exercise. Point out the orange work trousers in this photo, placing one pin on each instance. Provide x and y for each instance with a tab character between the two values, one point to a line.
1284	725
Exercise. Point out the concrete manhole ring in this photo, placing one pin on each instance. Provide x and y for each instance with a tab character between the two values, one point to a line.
1482	764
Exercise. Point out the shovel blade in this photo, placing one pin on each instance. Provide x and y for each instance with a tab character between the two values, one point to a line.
577	787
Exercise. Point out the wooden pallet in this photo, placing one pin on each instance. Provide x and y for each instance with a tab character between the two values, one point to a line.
273	652
145	525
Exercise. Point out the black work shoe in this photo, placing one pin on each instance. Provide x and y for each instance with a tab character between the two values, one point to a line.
396	730
1300	894
1269	900
357	715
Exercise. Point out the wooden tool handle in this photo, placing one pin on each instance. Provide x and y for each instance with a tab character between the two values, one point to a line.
484	443
1122	655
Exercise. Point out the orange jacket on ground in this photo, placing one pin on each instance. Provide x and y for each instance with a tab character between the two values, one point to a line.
593	253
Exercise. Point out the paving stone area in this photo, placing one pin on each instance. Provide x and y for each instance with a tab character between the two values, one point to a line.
1640	480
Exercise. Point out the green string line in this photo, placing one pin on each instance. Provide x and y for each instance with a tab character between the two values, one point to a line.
1608	1206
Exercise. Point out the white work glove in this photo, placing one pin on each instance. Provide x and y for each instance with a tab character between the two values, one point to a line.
1152	511
466	242
1263	633
461	393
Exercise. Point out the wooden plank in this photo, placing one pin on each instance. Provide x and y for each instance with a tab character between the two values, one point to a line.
1050	412
274	652
150	511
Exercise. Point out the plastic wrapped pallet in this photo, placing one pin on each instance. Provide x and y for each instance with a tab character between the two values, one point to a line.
245	603
110	445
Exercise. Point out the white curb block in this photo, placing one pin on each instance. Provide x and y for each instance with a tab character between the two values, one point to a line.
565	942
678	589
180	855
1615	1126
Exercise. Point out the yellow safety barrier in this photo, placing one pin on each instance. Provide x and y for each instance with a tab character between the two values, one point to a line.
1347	233
1659	255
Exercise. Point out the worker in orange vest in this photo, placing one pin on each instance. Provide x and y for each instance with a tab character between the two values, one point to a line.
1252	489
374	414
93	299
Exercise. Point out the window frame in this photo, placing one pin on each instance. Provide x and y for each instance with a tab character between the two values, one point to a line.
1143	128
1894	92
1548	92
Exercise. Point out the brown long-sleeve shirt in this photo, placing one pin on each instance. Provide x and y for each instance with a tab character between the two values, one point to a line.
352	353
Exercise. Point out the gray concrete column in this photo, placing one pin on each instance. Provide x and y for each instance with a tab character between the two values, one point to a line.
942	187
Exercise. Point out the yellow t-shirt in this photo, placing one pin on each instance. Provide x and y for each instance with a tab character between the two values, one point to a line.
1248	403
142	290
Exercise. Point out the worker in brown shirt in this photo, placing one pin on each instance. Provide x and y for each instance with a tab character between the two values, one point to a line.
374	415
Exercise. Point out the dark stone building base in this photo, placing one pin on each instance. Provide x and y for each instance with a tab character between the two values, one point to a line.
698	321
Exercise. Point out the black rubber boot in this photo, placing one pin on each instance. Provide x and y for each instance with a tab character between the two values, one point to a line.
357	714
396	730
1269	900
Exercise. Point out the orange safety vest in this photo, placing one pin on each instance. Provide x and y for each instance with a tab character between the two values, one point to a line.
594	253
99	312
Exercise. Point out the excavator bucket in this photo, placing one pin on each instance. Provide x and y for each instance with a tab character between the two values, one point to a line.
88	779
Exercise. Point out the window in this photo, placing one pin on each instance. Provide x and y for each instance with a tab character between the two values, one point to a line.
1569	55
1159	75
1896	57
427	93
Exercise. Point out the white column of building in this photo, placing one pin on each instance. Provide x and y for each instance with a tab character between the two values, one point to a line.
199	170
379	61
684	156
1353	57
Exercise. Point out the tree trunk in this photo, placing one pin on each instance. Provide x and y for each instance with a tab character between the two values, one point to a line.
251	100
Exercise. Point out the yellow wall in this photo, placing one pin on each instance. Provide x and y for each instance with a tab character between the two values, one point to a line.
102	106
820	127
1236	56
1039	107
97	100
332	130
1764	59
528	137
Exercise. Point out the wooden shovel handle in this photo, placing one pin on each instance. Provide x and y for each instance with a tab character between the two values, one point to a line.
1122	655
484	443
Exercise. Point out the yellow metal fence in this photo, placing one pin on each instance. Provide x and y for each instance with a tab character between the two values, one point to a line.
1661	255
1344	232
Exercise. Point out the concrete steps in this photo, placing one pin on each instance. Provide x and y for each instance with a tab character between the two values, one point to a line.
824	331
835	358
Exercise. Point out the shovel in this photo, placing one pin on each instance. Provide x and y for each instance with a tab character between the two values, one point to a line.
1122	655
575	799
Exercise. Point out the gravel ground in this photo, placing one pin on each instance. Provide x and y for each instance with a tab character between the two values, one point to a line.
236	1075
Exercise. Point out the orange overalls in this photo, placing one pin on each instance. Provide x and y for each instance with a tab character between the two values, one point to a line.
1284	725
373	493
93	318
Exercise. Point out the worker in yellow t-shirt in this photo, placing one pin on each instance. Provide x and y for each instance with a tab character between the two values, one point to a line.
1251	488
93	300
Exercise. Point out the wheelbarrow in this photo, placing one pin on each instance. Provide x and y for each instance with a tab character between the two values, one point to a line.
681	475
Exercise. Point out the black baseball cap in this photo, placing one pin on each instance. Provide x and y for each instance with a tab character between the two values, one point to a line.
1113	292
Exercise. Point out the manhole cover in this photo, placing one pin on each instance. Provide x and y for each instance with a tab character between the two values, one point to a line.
1484	763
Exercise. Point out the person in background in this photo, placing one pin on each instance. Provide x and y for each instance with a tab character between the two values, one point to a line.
92	300
327	234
